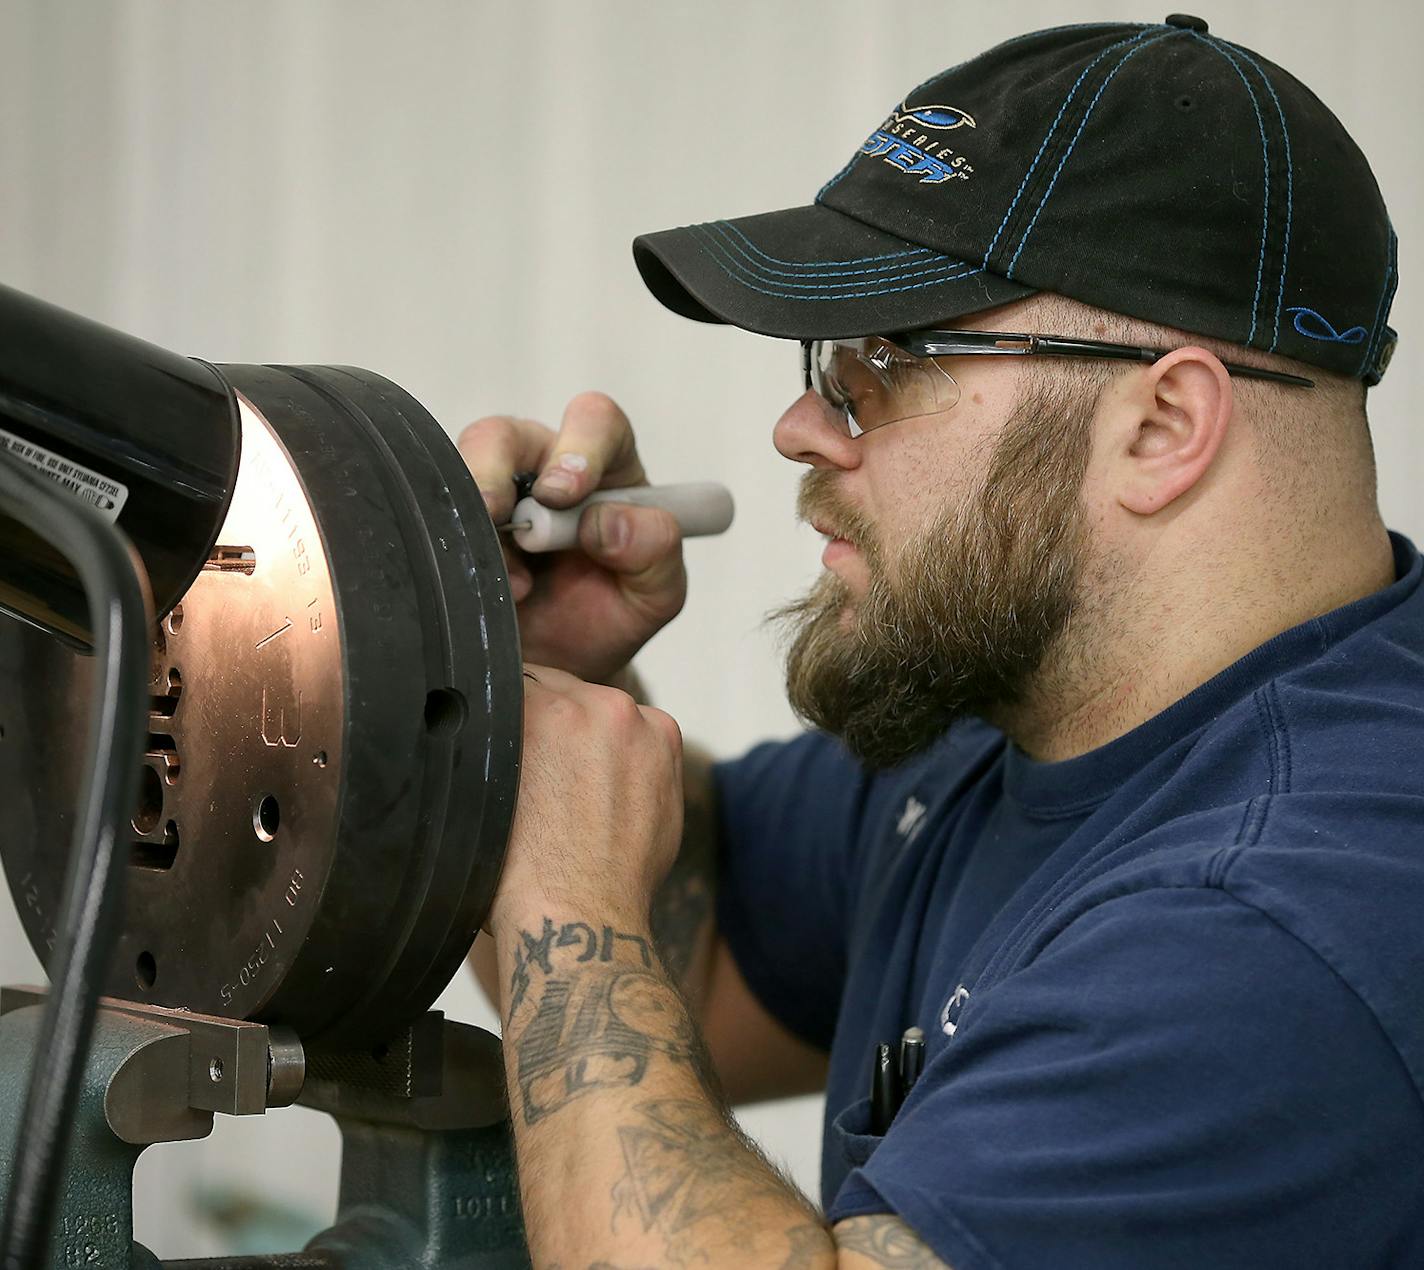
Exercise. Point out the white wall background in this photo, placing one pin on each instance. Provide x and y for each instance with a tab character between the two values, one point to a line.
445	191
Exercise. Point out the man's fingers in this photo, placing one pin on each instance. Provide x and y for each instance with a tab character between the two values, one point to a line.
594	448
546	680
498	446
643	545
665	724
627	538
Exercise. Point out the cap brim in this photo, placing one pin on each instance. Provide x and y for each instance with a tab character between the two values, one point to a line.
812	273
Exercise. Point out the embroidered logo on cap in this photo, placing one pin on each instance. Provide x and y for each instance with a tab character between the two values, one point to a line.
938	117
904	142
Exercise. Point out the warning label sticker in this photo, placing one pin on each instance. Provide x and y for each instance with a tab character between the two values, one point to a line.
105	496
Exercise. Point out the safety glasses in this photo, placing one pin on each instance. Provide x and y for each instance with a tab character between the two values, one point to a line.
877	380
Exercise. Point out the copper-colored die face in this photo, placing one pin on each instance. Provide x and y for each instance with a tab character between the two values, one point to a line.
246	733
333	730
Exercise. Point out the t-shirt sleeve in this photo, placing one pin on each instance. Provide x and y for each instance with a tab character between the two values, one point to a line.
792	817
1175	1080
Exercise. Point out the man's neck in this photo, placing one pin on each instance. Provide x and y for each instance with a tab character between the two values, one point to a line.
1114	670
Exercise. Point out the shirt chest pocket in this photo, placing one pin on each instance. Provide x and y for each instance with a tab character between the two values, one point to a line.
851	1139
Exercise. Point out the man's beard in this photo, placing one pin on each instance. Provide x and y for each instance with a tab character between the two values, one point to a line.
965	615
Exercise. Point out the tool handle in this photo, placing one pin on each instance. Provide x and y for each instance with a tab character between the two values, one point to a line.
701	508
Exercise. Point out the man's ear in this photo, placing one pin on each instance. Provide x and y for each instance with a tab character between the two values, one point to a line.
1171	422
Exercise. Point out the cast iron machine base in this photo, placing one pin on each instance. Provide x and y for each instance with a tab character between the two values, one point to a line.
427	1173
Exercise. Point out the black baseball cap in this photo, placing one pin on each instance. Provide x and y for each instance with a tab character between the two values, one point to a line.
1153	170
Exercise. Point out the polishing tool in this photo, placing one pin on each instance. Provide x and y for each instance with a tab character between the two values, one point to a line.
701	508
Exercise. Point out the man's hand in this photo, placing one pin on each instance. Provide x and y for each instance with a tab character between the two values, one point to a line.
626	1154
600	804
588	610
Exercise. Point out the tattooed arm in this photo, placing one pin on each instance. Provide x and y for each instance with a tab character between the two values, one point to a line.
882	1240
682	919
754	1055
626	1152
624	1145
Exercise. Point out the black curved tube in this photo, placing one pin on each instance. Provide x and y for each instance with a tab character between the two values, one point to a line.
157	433
116	588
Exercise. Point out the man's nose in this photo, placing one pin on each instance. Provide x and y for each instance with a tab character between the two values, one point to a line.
811	431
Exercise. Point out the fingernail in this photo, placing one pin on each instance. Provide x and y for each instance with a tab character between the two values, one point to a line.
561	476
613	530
556	481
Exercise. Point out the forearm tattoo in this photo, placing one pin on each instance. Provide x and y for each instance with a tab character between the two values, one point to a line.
536	951
590	1011
887	1241
694	1178
598	1015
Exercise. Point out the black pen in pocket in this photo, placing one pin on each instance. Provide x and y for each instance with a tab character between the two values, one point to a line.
884	1089
912	1059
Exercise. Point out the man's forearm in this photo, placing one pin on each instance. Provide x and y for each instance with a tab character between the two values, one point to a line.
683	915
627	1155
682	919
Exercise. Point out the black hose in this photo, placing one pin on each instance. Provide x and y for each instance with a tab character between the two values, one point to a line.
116	588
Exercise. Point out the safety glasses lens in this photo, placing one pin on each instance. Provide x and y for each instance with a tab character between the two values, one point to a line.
873	382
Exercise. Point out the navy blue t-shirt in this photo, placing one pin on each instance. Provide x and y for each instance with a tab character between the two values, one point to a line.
1173	989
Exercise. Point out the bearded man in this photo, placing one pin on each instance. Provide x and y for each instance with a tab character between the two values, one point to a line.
1092	898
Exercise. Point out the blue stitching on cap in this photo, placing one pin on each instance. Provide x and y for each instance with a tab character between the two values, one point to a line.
1290	193
891	272
806	264
809	265
1265	171
826	188
1048	136
1128	56
919	88
1382	308
1076	26
850	162
1029	35
844	295
848	295
1323	329
936	271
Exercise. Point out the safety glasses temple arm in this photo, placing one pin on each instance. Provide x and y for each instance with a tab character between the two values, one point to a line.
1006	343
